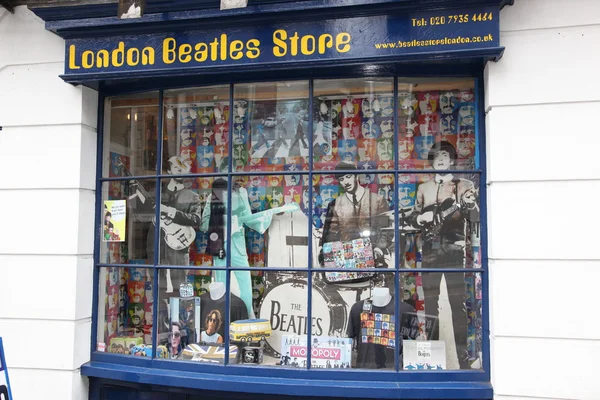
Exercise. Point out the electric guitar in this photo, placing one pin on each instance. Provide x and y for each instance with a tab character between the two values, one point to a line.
441	213
177	237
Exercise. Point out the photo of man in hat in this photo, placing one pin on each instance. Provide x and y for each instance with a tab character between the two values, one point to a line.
446	212
356	213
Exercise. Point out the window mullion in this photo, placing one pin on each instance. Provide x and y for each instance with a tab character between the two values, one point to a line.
228	229
155	270
310	225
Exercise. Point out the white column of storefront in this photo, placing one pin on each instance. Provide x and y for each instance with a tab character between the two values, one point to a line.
47	172
543	111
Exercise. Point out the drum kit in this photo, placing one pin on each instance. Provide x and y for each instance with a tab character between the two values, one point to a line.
286	294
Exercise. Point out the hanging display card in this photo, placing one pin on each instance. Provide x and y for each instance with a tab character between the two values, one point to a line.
115	213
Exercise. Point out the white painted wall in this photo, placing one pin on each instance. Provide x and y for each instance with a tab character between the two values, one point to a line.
47	164
543	104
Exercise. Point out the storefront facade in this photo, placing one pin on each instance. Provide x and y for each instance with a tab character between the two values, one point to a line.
365	165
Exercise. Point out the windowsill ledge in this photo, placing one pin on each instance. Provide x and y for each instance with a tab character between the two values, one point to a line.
287	386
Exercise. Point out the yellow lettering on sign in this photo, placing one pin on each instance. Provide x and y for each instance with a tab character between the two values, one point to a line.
133	57
342	42
294	44
307	45
223	47
118	55
325	42
213	49
201	53
102	59
253	46
235	49
87	59
169	54
72	62
184	53
148	56
279	44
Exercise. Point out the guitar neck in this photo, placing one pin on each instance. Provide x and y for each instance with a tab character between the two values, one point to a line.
141	187
449	211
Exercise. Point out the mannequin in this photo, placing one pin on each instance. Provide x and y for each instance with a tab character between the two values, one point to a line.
216	290
381	296
373	327
213	312
214	221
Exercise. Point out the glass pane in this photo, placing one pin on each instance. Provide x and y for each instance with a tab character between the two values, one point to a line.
196	125
128	215
431	111
439	220
267	208
125	314
183	232
353	121
354	321
445	332
354	209
283	311
188	328
270	126
131	135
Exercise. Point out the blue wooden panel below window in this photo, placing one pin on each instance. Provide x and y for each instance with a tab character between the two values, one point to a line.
265	385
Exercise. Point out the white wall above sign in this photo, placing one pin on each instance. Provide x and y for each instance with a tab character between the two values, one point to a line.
229	4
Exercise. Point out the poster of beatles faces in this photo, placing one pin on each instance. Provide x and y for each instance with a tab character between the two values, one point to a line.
353	121
197	129
125	309
429	116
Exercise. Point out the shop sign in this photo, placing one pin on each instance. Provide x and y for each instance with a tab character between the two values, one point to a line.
374	38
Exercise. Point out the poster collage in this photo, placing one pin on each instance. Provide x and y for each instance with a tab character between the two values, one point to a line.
271	136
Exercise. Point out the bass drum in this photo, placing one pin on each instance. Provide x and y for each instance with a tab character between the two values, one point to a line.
285	305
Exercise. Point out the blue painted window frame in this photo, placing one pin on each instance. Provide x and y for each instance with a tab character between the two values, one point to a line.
375	384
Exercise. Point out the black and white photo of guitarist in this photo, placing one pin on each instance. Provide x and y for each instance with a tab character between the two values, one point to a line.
180	214
445	211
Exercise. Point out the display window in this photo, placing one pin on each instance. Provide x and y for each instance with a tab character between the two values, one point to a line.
125	318
329	224
196	128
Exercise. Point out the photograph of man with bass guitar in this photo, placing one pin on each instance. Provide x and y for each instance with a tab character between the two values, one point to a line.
446	213
180	217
